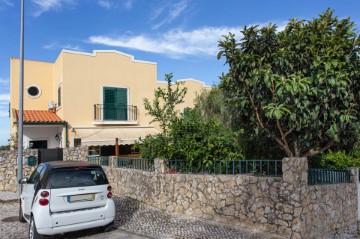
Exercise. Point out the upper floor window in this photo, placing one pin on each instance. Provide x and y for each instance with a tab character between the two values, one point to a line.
59	96
115	102
33	91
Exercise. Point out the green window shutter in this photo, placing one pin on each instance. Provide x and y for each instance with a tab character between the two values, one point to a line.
115	103
109	103
121	103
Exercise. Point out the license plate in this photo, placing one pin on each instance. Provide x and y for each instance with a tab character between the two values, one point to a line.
79	198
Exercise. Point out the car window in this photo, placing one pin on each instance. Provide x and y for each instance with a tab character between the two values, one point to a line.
79	177
35	176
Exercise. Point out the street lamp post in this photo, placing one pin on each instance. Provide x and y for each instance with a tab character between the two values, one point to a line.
21	101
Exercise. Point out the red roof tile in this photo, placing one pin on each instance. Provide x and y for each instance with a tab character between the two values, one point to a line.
40	116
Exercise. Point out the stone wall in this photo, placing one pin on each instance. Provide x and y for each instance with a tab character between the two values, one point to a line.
287	206
75	154
8	168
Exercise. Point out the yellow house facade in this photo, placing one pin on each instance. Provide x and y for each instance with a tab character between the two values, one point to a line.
87	99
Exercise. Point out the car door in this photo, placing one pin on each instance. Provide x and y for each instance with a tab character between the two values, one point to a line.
29	190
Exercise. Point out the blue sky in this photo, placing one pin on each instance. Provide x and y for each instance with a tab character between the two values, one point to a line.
181	36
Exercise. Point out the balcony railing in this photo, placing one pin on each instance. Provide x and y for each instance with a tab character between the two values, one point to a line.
117	113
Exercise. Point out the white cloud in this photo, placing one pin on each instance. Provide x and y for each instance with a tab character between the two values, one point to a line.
4	81
42	6
128	4
4	100
105	4
173	10
6	3
175	43
4	113
56	46
4	97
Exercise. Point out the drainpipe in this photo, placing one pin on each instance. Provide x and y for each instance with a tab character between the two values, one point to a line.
66	136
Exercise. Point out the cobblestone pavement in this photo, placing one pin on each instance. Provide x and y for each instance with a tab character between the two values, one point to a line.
134	220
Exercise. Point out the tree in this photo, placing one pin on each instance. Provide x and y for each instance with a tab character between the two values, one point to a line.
211	104
200	139
193	138
188	135
299	86
162	109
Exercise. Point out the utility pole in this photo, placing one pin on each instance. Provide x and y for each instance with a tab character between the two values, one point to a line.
21	101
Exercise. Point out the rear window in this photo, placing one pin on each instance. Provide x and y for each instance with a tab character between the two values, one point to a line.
76	177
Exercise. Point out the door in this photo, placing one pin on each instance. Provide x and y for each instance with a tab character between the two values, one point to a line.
28	193
47	155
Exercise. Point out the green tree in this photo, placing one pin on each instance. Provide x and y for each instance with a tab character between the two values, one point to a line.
163	107
196	138
299	86
211	104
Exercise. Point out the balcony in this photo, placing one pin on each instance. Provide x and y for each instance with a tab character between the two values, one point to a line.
121	114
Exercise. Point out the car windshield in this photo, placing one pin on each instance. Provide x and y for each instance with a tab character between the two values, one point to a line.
76	177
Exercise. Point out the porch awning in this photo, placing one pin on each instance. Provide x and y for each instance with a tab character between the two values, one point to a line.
106	136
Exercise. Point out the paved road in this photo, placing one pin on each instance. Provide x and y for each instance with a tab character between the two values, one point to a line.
138	221
10	228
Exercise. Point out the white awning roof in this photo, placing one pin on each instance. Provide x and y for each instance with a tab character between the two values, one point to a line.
107	136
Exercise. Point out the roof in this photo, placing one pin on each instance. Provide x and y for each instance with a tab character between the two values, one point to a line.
40	116
70	164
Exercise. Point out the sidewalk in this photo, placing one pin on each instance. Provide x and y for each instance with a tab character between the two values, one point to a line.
8	196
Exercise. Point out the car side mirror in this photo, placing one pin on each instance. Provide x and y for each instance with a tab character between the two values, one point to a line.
23	181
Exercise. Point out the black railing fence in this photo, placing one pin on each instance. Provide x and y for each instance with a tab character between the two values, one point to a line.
328	176
227	167
119	113
135	163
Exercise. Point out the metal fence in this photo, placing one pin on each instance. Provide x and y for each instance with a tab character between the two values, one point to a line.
135	163
101	160
227	167
328	176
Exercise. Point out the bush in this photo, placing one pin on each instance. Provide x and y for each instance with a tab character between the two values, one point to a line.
341	159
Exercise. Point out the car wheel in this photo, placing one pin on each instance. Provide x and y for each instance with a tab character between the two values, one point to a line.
33	234
21	216
108	227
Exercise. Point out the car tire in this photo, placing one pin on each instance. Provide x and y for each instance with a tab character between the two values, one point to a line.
108	227
21	216
33	233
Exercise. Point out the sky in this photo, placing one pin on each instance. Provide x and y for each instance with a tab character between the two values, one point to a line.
181	36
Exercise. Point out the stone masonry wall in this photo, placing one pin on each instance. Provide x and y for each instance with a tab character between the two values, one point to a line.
8	168
330	207
286	206
75	154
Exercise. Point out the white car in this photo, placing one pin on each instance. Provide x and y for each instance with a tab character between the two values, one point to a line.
62	197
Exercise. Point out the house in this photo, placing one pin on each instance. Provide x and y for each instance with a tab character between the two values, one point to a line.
87	99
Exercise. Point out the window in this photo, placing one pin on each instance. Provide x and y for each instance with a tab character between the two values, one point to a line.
35	176
77	142
59	96
38	144
77	177
33	91
115	102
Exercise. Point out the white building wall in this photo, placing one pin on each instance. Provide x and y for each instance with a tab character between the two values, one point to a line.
45	132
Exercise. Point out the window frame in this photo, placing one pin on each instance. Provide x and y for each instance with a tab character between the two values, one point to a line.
33	96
